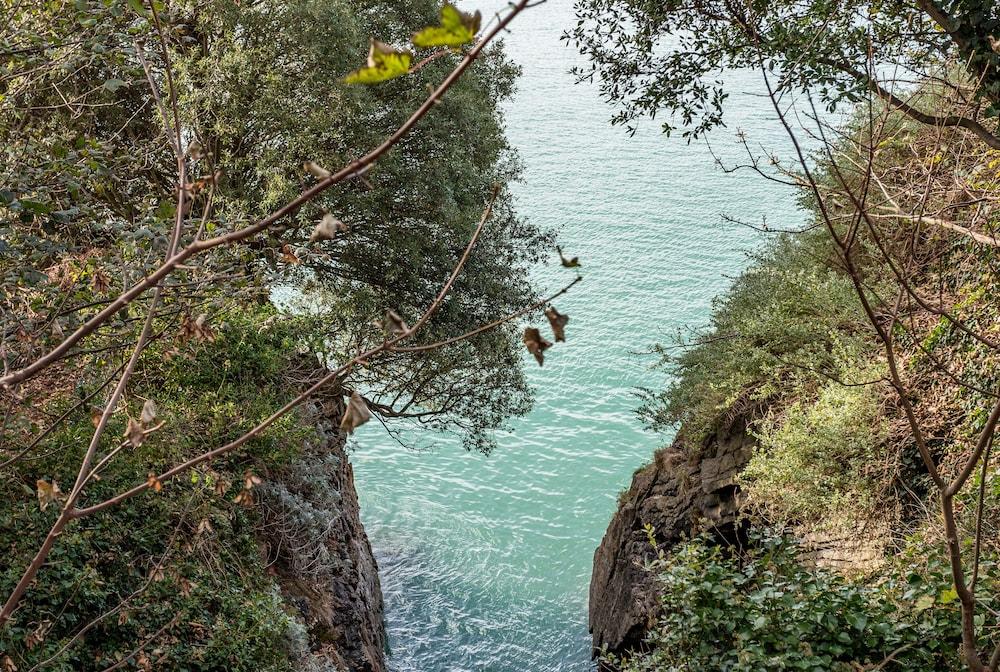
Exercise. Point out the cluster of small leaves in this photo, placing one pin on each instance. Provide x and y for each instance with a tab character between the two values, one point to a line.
821	461
763	610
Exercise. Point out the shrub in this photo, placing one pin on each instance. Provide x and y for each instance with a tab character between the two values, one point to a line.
818	460
764	611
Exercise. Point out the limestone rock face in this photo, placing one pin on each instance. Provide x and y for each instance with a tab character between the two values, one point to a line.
677	496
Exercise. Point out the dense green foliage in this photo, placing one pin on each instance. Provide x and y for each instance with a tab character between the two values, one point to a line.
763	610
185	559
790	321
89	179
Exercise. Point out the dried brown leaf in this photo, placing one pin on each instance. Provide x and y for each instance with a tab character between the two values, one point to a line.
356	414
536	344
558	322
135	433
48	493
327	228
568	263
148	413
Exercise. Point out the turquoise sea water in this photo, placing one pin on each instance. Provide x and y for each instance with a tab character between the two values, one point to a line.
486	560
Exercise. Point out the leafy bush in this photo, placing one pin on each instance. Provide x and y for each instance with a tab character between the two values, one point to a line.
765	611
818	460
787	318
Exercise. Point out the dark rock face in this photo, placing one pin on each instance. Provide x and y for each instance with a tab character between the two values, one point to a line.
336	592
677	496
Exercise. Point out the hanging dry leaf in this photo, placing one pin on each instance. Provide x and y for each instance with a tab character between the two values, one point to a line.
197	329
316	170
558	323
392	324
536	344
204	527
148	413
356	414
8	664
288	255
154	483
96	412
37	636
157	574
48	493
327	228
221	487
568	263
195	150
57	329
135	433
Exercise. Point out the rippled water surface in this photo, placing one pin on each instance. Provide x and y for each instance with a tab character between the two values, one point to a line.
486	560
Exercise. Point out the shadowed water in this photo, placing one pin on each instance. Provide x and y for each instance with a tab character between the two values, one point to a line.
486	560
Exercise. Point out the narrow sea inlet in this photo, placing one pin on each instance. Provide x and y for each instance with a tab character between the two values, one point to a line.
485	561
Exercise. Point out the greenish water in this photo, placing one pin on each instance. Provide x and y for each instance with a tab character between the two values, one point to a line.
486	560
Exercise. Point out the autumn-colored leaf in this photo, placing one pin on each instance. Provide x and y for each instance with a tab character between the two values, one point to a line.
245	498
154	483
100	282
356	414
37	636
96	413
250	480
135	433
568	263
536	344
157	574
558	322
384	62
221	487
197	329
316	170
48	493
8	664
288	255
204	527
148	413
327	228
392	324
456	28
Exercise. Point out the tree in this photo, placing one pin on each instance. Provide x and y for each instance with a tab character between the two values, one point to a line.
169	169
652	57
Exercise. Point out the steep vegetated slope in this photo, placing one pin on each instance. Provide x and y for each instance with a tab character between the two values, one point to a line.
820	545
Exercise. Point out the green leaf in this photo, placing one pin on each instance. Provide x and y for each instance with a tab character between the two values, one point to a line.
113	85
948	596
924	603
457	28
384	63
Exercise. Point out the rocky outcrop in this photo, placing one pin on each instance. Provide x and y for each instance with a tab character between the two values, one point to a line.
676	495
323	560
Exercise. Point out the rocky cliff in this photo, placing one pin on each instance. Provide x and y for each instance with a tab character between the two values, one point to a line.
322	558
676	495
